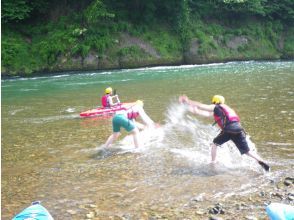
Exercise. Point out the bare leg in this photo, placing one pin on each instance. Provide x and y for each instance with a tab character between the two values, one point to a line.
254	156
259	160
213	152
135	134
112	138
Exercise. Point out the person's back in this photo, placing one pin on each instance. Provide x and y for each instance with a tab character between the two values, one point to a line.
127	119
106	100
226	118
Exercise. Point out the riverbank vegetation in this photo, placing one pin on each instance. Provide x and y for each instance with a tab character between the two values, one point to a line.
44	36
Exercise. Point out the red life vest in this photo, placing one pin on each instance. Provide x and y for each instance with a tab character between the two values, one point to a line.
228	115
132	114
104	101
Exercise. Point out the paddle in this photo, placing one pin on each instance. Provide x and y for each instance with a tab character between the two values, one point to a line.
116	97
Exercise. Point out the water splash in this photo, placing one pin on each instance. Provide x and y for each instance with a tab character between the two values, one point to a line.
190	138
187	137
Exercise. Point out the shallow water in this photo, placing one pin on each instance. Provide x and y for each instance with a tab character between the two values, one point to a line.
50	154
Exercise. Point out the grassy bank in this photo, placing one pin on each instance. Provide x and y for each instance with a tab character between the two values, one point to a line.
69	44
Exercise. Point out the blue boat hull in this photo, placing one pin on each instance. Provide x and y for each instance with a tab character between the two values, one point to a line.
34	212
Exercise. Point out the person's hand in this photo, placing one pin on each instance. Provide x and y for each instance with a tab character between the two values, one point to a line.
183	99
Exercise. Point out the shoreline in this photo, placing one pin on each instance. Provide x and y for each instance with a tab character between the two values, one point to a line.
80	71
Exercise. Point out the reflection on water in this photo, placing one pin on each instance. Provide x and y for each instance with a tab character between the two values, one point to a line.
52	155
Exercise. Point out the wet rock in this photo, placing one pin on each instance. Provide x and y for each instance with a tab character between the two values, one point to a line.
280	185
215	218
97	212
279	195
200	212
218	209
251	218
90	215
126	217
289	181
198	198
72	212
93	206
290	196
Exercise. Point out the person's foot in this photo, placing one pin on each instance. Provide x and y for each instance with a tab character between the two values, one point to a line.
264	166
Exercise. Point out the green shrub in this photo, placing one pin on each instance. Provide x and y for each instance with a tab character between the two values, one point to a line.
16	55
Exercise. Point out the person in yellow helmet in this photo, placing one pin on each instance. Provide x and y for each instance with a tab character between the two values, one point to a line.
127	119
228	121
109	100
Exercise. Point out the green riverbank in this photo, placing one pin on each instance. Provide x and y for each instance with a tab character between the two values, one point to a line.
93	35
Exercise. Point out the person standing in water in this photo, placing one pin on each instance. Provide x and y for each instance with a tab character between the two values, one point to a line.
127	120
107	99
228	121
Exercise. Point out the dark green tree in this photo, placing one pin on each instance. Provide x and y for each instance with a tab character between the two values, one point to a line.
15	10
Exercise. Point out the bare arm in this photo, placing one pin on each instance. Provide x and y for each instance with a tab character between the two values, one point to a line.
139	125
199	105
146	119
195	110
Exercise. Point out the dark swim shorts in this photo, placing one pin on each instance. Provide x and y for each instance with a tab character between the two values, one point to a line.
239	140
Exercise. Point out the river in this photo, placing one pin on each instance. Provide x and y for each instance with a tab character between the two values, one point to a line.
50	154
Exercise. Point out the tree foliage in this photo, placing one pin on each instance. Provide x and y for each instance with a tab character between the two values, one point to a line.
37	34
97	11
15	10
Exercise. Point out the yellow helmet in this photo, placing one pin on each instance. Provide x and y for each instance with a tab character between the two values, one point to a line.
140	102
218	99
108	90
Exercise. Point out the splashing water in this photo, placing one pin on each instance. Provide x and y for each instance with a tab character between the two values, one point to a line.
191	138
187	137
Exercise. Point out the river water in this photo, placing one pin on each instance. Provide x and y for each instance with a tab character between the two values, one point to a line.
51	154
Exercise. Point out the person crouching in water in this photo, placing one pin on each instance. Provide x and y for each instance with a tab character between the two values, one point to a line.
107	100
127	120
228	121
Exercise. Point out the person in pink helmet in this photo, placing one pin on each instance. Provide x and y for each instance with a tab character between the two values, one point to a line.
127	119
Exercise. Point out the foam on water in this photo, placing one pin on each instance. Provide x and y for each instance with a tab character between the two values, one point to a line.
187	137
148	138
48	119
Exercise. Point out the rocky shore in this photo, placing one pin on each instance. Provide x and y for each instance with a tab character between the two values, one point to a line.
248	207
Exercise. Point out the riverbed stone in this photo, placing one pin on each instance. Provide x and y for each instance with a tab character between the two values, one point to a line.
90	215
217	209
251	218
215	218
200	212
72	212
289	181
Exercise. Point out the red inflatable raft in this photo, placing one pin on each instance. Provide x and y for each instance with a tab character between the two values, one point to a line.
101	111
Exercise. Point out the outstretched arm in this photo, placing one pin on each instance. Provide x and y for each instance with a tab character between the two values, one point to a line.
195	110
139	125
146	119
199	105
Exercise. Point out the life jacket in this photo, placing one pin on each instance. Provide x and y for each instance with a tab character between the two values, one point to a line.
228	115
104	101
131	114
